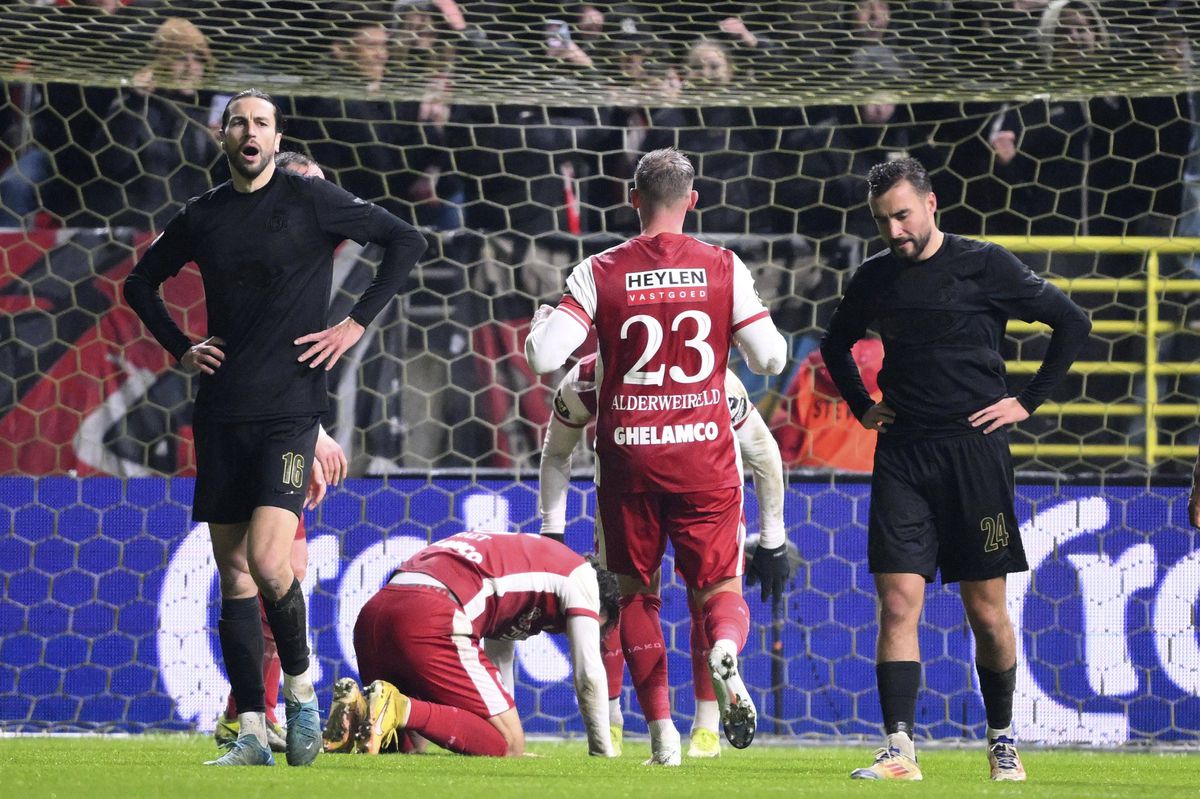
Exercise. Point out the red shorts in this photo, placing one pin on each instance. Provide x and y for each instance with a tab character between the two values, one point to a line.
705	528
300	534
418	638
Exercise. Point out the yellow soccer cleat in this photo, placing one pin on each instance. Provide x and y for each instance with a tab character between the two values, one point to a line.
616	735
387	712
890	764
227	731
1004	760
705	743
346	716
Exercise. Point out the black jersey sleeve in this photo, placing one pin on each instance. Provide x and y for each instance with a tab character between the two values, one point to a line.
344	216
167	254
849	323
1017	291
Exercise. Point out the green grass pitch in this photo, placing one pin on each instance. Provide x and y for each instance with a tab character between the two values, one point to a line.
170	766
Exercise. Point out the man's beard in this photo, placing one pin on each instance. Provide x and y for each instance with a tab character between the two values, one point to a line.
249	173
919	245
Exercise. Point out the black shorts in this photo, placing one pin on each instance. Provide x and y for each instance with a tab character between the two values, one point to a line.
945	503
241	466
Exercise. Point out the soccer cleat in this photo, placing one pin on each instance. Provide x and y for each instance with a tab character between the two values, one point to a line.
227	731
738	716
1004	760
616	735
669	757
387	710
890	764
245	751
303	731
705	743
276	737
346	715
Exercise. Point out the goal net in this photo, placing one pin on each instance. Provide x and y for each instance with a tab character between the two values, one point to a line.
508	132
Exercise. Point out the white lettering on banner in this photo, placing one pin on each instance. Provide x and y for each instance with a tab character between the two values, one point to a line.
665	278
1106	587
665	402
669	434
1035	713
190	671
1175	634
361	581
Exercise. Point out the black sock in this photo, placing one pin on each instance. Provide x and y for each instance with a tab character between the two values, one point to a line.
899	681
289	622
997	688
241	633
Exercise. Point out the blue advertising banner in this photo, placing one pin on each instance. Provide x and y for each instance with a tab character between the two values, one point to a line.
109	609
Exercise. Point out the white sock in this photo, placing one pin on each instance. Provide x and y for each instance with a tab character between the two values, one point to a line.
708	715
298	687
1007	732
906	745
615	717
664	737
253	724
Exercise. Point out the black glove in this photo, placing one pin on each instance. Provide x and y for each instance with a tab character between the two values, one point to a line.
771	568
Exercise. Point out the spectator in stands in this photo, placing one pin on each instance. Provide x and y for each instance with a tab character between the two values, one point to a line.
722	138
155	150
1042	148
869	34
815	427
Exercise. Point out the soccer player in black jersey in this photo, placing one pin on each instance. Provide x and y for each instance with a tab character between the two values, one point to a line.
264	244
942	486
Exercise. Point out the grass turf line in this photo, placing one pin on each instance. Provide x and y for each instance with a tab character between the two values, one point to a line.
170	766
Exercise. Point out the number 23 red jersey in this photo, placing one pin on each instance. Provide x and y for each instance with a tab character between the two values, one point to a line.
665	310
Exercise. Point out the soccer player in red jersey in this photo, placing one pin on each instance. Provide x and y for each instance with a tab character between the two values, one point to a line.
418	643
574	408
666	307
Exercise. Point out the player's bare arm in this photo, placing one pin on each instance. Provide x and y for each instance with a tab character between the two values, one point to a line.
317	486
330	344
207	356
331	456
998	414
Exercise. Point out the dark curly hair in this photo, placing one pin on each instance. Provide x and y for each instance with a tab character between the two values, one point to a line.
883	177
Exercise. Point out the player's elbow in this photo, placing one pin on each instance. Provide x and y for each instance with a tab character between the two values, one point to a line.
771	359
540	361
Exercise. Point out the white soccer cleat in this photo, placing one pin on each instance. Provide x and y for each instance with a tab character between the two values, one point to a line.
1004	760
890	764
669	757
738	716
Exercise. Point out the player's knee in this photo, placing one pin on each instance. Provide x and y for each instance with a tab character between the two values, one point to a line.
897	611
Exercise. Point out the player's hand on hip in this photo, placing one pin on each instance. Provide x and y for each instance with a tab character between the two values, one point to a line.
998	414
771	568
878	417
332	458
316	486
207	356
330	343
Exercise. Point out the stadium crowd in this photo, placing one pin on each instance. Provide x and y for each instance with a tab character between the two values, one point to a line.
515	191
